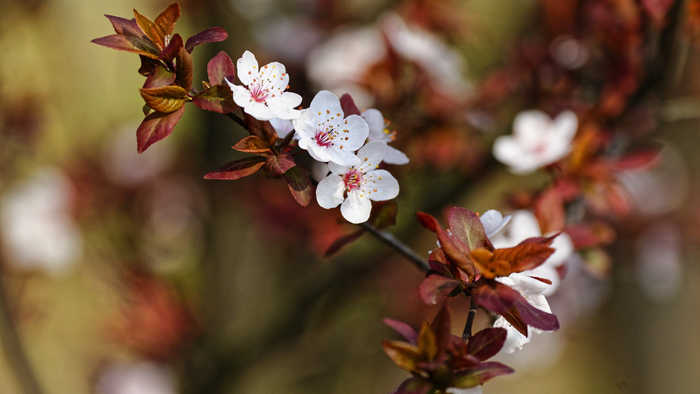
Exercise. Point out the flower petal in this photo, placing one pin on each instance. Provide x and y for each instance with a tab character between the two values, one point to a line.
356	207
247	67
344	158
274	78
529	127
324	105
375	121
319	170
395	156
352	133
380	185
282	126
329	192
493	222
283	105
371	155
565	125
507	150
337	168
259	111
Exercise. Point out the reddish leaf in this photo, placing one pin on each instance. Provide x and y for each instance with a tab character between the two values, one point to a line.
125	26
152	31
435	288
220	67
453	247
299	184
252	144
638	160
166	20
348	105
486	343
549	210
481	374
527	255
165	99
183	69
172	49
403	329
155	127
280	164
657	9
237	169
503	300
343	241
441	326
159	77
216	99
128	43
467	227
213	34
428	221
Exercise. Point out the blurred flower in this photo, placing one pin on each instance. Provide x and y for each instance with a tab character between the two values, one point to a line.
123	165
378	132
263	95
327	134
274	36
360	183
346	57
441	62
537	140
494	222
136	378
473	390
569	52
37	229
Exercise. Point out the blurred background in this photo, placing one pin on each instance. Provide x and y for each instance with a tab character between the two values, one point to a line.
130	274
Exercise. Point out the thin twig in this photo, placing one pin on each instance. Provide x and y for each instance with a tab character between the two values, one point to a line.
13	348
467	333
397	245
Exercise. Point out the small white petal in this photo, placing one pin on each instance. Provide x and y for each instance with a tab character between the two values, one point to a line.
375	121
371	155
473	390
565	125
325	104
353	133
493	222
529	126
356	207
329	192
380	185
247	67
274	77
284	105
344	158
282	126
514	339
319	170
259	111
337	168
395	156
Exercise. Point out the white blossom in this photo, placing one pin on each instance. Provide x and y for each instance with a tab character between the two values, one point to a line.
494	222
136	378
472	390
356	186
524	225
37	229
263	95
327	134
378	132
537	140
282	127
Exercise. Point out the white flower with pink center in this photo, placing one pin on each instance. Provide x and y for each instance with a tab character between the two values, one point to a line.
263	95
379	132
327	134
537	140
355	187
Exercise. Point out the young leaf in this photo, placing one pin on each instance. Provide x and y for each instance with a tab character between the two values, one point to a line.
441	326
213	34
467	227
159	77
165	99
155	127
237	169
348	105
220	67
172	49
343	241
129	44
125	26
183	69
414	386
481	374
435	288
486	343
527	255
299	184
403	329
215	99
503	300
427	343
455	249
152	31
166	20
404	355
252	144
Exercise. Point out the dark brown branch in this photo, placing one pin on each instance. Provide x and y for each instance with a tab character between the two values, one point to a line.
400	247
467	333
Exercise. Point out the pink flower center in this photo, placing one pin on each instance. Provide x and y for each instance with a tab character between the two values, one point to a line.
352	180
323	138
258	93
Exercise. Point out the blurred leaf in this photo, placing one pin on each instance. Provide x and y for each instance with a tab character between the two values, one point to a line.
165	99
299	184
403	329
220	67
441	326
280	164
216	99
348	105
549	210
501	299
414	386
404	355
486	343
427	342
435	288
384	214
343	241
237	169
155	127
213	34
481	374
